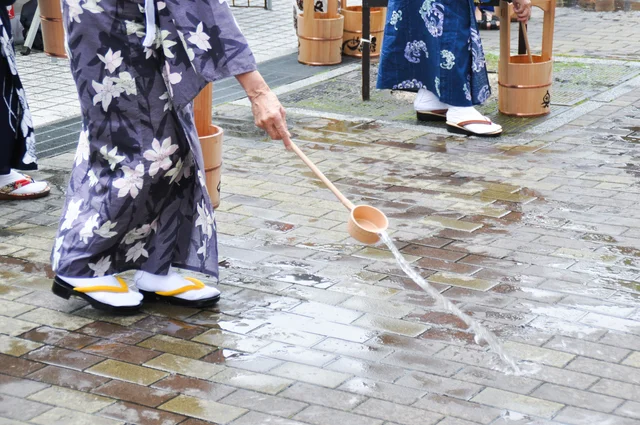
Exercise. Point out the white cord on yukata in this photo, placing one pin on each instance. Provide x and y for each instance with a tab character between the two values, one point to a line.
150	15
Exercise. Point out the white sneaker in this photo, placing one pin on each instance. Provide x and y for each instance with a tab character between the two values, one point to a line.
176	289
108	293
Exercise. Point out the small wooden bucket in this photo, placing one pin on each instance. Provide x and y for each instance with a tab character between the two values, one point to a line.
320	35
212	154
351	45
524	88
210	141
52	28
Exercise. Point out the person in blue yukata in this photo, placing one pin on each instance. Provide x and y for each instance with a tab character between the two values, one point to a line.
433	47
17	139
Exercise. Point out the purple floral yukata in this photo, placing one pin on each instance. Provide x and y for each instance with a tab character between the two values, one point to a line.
137	198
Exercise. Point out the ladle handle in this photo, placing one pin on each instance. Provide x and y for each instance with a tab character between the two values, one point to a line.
523	27
322	177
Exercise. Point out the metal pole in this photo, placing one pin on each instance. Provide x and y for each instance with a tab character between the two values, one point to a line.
33	31
366	49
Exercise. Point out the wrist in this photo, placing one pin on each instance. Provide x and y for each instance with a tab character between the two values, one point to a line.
253	84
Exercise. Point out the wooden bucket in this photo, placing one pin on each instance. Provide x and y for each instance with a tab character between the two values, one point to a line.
211	143
320	35
52	28
351	45
524	89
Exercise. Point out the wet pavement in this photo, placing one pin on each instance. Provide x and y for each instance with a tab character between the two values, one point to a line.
536	235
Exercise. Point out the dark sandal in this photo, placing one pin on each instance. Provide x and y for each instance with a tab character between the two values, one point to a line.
436	115
64	290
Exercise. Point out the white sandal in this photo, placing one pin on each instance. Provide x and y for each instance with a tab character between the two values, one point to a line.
176	289
482	128
24	188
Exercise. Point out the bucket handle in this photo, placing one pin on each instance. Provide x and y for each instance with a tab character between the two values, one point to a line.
549	9
308	14
523	27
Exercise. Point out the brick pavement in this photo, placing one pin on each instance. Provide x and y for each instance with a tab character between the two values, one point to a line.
536	235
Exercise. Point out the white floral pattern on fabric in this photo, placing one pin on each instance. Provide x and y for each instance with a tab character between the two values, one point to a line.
448	59
131	183
478	62
200	38
160	155
105	231
111	60
92	6
105	92
101	267
126	84
437	83
396	16
467	93
82	153
484	94
136	252
87	229
72	214
432	14
414	50
409	84
112	156
75	10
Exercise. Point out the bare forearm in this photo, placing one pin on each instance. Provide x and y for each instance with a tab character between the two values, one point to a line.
253	84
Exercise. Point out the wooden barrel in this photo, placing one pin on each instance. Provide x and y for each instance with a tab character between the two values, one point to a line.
52	28
525	90
212	155
353	30
524	86
320	35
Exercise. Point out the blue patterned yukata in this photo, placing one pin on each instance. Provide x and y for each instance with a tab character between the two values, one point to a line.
137	197
434	44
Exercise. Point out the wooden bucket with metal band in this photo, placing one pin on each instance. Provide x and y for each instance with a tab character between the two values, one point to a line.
320	35
524	88
351	40
52	28
210	141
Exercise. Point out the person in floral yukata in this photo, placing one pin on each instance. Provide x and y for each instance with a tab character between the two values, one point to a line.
136	199
433	47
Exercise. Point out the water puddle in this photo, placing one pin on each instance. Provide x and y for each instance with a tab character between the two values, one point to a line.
481	333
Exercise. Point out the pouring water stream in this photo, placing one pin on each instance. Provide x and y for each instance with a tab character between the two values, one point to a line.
481	333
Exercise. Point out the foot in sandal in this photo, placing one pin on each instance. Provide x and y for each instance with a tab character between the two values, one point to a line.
106	293
16	185
428	107
468	121
176	289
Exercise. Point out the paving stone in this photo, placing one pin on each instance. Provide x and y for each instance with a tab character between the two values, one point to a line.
15	327
233	341
605	370
617	339
573	397
251	400
352	349
68	378
122	352
192	387
60	416
12	309
59	337
440	385
397	413
600	320
203	409
55	319
245	361
633	360
587	349
184	366
17	366
115	332
253	418
63	357
382	390
420	362
576	416
326	312
134	393
382	308
168	326
319	415
132	413
365	369
16	346
617	389
537	354
518	402
287	336
71	399
494	379
310	374
176	346
323	396
453	407
630	409
126	372
17	408
297	354
252	381
19	387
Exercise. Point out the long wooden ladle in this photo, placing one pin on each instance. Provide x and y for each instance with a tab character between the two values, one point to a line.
365	222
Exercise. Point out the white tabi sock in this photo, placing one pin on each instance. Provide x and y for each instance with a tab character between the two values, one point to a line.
427	101
458	114
115	299
13	176
158	283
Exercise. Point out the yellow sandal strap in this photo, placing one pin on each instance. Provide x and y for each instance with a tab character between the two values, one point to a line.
196	285
105	288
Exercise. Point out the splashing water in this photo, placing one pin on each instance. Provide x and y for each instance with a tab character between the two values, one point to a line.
481	333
